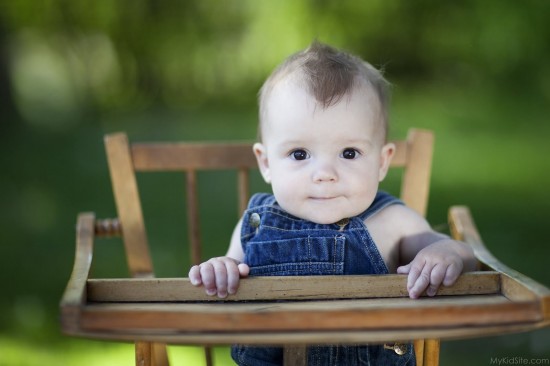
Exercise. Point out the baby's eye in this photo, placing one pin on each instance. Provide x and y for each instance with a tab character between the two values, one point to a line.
299	154
349	153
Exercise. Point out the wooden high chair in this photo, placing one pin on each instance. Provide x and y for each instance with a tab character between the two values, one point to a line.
341	309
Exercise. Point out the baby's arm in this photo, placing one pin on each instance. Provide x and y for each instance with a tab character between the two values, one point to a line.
220	276
433	258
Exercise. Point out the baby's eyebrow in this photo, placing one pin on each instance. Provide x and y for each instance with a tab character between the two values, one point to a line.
343	142
358	142
294	143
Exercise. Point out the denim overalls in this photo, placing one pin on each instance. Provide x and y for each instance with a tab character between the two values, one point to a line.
276	243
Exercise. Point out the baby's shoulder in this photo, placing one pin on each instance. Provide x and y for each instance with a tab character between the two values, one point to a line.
397	218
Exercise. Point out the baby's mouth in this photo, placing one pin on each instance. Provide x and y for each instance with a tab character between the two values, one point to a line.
323	198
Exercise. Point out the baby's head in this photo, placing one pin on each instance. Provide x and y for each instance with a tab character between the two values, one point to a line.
328	75
323	126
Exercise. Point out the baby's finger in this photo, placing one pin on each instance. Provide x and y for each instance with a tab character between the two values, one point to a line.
208	276
233	277
244	269
436	277
220	271
452	273
404	269
415	269
421	283
195	276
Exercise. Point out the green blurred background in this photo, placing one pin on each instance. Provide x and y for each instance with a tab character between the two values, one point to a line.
476	72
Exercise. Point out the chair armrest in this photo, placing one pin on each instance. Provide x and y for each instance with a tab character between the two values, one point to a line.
75	295
514	285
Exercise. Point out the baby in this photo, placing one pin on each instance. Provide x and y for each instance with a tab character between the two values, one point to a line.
323	149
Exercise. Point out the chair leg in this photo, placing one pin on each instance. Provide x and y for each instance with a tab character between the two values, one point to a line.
144	354
151	354
160	354
295	356
419	352
208	356
431	352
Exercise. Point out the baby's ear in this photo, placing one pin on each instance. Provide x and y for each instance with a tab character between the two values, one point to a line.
385	159
261	157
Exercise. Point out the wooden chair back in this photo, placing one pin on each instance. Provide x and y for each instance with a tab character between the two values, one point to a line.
414	155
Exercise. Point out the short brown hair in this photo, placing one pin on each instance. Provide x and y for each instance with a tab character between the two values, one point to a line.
329	74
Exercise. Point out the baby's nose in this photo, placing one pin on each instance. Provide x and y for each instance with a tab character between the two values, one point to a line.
325	172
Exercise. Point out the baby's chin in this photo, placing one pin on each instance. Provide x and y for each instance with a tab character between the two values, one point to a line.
324	218
323	212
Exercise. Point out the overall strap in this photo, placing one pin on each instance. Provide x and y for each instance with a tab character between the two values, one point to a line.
250	219
381	201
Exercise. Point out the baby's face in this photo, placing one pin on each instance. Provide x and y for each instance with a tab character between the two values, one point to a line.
323	164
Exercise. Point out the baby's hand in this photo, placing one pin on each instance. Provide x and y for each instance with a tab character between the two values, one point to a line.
220	276
436	264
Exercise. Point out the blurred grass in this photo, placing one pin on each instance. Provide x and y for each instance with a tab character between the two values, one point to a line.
21	352
490	154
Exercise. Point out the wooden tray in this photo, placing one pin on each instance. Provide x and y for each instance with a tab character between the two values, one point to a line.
298	310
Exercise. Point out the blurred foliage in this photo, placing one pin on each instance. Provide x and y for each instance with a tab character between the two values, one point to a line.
116	54
476	72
